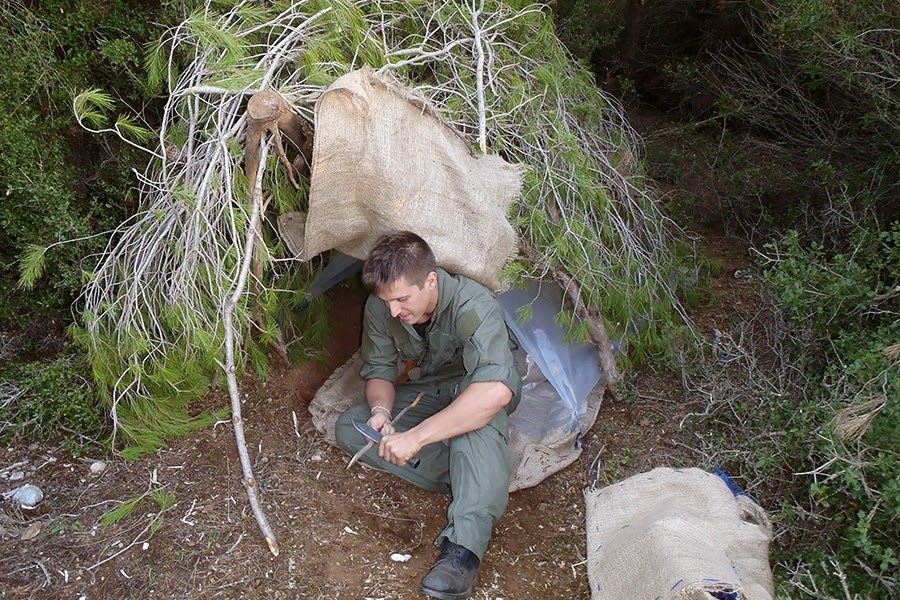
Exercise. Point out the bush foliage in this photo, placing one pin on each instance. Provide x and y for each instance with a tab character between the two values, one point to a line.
44	399
793	120
847	303
58	184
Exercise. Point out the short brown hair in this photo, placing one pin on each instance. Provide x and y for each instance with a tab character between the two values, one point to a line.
398	255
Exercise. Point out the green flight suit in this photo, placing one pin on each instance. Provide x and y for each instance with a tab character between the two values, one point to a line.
467	341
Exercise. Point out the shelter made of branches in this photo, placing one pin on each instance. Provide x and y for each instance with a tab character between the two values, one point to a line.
495	71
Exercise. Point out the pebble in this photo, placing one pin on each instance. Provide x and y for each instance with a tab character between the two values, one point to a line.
315	457
396	557
27	496
31	532
97	468
16	475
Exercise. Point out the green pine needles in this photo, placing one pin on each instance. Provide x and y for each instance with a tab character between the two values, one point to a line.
152	317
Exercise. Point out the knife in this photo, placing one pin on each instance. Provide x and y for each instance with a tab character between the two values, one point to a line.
371	434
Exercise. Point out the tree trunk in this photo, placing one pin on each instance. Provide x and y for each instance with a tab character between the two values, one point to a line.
633	19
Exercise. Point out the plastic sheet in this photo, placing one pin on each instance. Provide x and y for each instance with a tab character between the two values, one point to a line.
339	268
571	369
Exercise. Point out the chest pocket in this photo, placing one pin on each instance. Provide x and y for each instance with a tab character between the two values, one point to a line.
443	352
410	348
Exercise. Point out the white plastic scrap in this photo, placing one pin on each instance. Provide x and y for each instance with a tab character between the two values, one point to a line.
397	557
27	496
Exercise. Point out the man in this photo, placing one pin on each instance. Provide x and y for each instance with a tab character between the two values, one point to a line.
449	333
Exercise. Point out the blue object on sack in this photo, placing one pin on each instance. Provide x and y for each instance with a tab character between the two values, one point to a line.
735	488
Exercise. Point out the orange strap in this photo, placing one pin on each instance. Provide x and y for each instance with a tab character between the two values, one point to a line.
407	366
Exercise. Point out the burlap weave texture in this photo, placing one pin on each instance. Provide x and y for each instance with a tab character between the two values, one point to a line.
383	161
676	534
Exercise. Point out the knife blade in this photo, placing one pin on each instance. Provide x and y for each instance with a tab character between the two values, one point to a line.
370	434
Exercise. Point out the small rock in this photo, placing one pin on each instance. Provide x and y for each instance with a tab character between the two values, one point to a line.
16	475
97	468
27	496
316	457
396	557
31	532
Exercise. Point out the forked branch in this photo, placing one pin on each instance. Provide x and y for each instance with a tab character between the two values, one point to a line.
230	368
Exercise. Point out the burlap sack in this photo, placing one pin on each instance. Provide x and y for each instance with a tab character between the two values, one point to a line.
676	534
532	459
383	161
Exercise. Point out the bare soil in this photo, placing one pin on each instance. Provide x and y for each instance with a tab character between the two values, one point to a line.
337	529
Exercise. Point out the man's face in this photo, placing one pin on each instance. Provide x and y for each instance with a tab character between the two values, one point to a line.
410	303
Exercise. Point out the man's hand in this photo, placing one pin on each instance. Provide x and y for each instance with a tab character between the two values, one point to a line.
380	421
398	448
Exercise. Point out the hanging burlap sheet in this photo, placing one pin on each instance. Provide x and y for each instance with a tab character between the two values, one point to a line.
383	161
532	458
676	534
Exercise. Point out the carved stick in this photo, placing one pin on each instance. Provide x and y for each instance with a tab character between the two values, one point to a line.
370	443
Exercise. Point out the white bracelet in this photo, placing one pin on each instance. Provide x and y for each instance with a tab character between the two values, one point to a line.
384	408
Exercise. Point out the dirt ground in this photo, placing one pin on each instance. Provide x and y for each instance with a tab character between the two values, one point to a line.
337	529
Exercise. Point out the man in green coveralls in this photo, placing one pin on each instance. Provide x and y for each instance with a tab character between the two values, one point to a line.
450	334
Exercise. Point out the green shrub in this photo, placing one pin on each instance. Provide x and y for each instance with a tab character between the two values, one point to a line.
40	400
57	183
834	293
847	301
588	27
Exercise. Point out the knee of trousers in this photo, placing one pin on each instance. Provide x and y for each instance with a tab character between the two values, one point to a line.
346	435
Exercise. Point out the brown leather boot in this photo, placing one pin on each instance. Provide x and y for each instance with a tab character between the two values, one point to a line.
453	573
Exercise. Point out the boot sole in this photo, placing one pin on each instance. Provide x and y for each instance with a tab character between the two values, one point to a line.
445	595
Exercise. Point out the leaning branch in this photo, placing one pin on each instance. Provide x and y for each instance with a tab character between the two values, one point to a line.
249	481
479	80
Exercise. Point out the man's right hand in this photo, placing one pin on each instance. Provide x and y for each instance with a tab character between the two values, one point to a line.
381	422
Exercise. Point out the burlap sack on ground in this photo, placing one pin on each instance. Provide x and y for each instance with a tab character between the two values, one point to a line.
676	534
531	460
384	161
